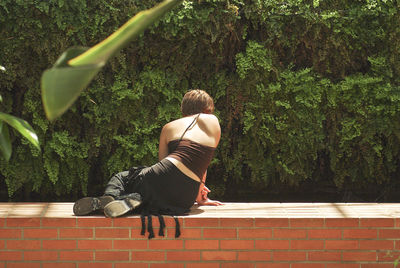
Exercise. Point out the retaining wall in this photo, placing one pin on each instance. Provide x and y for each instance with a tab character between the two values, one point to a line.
235	235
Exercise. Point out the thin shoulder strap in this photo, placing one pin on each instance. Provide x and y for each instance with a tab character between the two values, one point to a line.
191	124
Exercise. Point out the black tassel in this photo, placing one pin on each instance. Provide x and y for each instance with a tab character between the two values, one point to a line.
143	219
150	226
162	225
177	228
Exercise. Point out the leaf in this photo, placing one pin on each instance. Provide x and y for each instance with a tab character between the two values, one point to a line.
22	127
125	34
62	85
5	143
75	69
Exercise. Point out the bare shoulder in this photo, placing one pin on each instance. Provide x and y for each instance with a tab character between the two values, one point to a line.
209	119
170	130
210	124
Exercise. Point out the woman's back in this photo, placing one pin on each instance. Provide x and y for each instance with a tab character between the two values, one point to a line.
203	129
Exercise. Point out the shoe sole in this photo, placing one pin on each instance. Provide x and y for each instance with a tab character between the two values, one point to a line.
120	207
88	205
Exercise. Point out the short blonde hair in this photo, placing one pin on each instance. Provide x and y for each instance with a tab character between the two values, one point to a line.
197	101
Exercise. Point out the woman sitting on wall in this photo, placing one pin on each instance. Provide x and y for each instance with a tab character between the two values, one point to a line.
171	186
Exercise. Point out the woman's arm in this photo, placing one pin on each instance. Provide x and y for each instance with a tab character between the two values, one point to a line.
202	198
163	145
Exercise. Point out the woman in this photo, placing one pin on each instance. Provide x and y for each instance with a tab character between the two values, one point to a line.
172	185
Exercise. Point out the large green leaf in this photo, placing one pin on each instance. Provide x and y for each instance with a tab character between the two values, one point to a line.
22	127
5	143
62	85
73	71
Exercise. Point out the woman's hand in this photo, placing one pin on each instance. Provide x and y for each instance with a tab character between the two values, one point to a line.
209	202
204	200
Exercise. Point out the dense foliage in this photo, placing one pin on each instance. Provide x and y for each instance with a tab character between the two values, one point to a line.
305	91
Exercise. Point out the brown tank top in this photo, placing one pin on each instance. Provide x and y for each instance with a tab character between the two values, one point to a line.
193	155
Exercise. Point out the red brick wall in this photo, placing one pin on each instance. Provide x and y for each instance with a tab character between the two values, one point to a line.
205	242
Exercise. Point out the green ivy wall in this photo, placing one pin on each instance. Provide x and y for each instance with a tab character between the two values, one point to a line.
306	92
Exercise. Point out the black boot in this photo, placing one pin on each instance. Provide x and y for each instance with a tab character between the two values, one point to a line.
120	207
87	205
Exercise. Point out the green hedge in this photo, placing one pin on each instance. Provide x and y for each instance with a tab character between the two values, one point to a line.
305	90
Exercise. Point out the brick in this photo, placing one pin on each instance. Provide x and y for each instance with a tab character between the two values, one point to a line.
22	265
237	265
166	244
185	233
232	222
183	256
94	222
40	255
271	222
307	244
127	222
201	244
219	233
136	233
254	256
324	256
95	244
2	222
167	265
170	221
289	256
23	244
388	256
76	255
2	244
324	233
360	233
130	265
306	223
58	265
23	222
40	233
112	256
255	233
289	233
148	256
341	244
376	244
237	244
59	244
202	265
273	265
389	233
341	222
10	255
384	222
308	265
218	256
96	265
201	222
359	256
58	222
378	265
10	233
272	244
342	265
76	233
112	233
130	244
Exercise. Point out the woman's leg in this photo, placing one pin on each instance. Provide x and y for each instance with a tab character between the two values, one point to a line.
115	188
125	188
117	185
